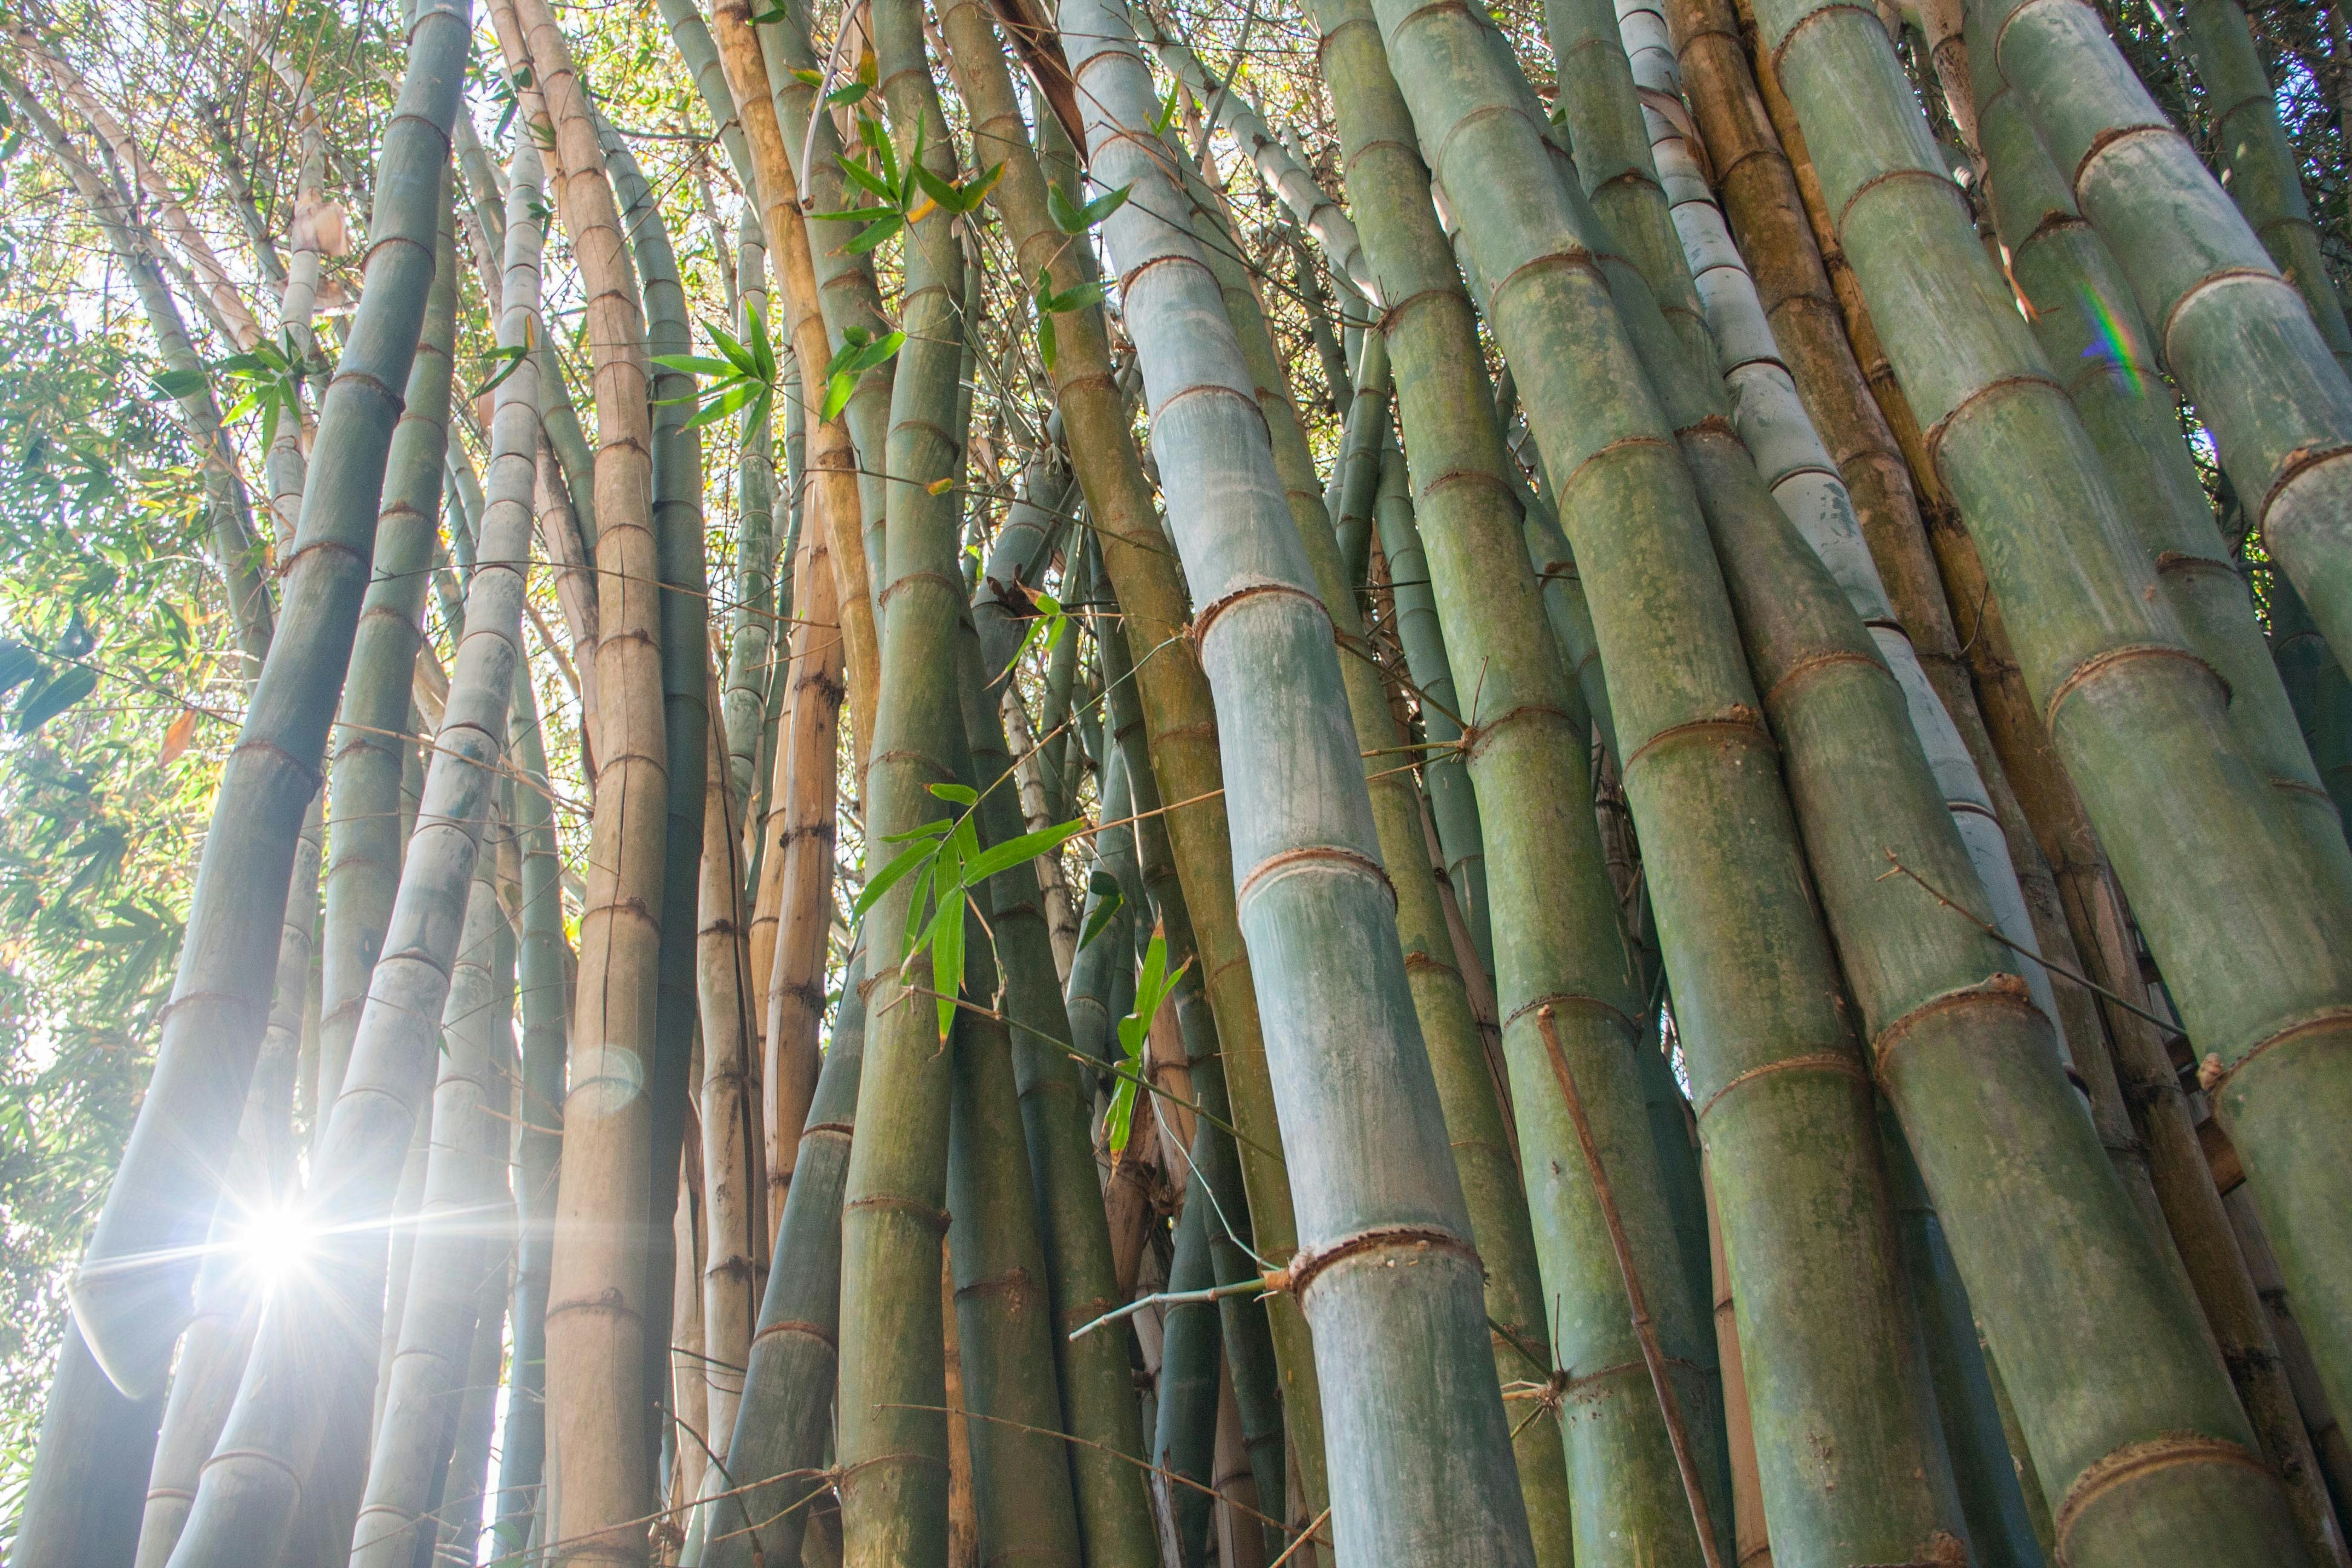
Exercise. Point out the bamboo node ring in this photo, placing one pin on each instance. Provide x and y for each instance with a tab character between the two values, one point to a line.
1309	1263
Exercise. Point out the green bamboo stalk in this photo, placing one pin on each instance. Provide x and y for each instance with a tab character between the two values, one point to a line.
752	637
1180	716
130	1294
462	1503
1213	1160
363	780
845	281
733	1150
542	963
1528	763
1427	1474
1687	722
2259	166
2315	689
891	1429
1457	1052
250	1496
2071	646
2242	341
1096	1394
2084	318
1452	802
775	1458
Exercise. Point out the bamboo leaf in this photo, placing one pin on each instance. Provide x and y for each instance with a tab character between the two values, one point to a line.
53	697
947	956
179	382
695	364
18	664
939	190
1013	851
839	388
1102	205
1099	920
923	880
1067	218
865	178
882	881
1119	1121
763	353
877	233
962	795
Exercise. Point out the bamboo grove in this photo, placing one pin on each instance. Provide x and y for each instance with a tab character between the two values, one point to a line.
1098	782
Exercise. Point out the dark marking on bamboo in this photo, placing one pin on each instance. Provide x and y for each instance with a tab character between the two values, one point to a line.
1575	1004
2134	1460
1653	1356
2107	659
1839	1062
1814	664
1738	721
2000	989
936	1220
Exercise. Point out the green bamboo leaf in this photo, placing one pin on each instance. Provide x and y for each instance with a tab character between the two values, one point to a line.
18	664
962	795
1003	857
763	353
696	364
53	697
882	881
864	178
1167	115
814	78
973	192
937	189
1119	1121
1046	345
935	828
839	388
914	909
179	382
1098	922
877	233
853	92
854	215
947	956
1102	205
1067	218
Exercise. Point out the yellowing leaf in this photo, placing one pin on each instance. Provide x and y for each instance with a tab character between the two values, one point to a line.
176	738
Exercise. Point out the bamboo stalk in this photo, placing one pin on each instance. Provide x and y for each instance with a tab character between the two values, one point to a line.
130	1294
1179	717
1311	888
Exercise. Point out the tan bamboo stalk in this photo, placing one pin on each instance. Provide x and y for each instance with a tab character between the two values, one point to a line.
1036	814
596	1399
831	466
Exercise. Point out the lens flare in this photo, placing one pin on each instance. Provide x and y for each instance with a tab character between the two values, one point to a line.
2111	342
273	1244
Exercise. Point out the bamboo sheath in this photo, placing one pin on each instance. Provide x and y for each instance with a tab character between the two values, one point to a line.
1440	1484
128	1305
2241	340
598	1400
278	1466
2137	719
1179	719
